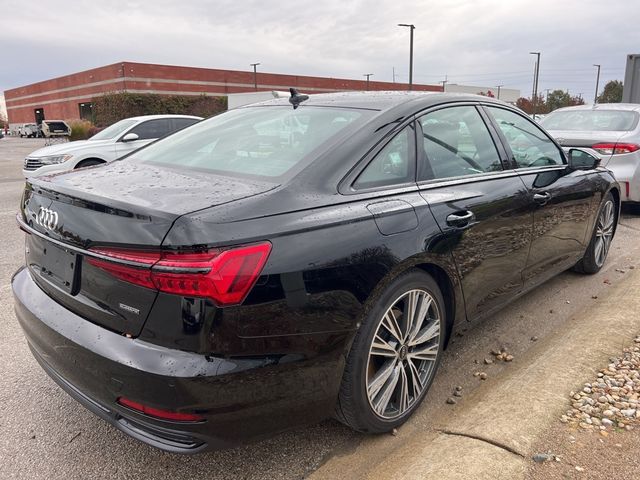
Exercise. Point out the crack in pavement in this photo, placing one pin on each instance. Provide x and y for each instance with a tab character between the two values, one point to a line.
484	439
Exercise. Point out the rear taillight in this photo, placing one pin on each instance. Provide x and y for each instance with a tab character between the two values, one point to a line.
158	413
224	276
615	148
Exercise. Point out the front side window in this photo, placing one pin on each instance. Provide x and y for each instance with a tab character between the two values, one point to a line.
113	130
152	129
180	123
393	165
530	146
457	143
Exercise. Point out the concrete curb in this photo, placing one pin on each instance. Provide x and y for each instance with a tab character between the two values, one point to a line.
492	433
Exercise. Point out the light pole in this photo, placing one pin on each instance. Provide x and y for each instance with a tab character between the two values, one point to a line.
412	27
255	75
534	99
499	87
444	82
367	75
595	98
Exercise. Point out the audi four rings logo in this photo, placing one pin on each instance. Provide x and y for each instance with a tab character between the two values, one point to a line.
47	218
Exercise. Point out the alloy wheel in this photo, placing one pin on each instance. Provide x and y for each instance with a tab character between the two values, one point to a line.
604	233
403	353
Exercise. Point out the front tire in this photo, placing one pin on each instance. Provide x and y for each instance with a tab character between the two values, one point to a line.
394	356
601	238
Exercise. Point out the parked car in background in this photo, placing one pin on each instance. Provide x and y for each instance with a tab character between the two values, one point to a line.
113	142
28	130
610	131
54	128
227	282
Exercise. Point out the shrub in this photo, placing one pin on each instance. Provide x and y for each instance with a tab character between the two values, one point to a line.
81	129
113	107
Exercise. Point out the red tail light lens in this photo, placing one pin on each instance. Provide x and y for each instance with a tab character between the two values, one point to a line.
157	413
615	148
225	276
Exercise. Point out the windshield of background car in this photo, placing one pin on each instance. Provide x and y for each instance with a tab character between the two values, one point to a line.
591	120
263	141
114	130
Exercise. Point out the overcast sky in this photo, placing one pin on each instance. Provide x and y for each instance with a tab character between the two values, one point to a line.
481	42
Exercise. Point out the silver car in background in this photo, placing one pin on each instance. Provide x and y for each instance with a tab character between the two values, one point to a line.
610	131
113	142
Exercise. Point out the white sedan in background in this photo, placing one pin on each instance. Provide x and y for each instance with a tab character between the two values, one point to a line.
113	142
609	131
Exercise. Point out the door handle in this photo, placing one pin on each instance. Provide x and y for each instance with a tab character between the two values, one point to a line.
460	219
541	198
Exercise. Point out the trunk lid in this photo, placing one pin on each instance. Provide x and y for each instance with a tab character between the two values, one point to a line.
586	139
118	206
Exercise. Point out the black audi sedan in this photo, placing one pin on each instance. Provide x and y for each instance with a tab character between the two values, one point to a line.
293	260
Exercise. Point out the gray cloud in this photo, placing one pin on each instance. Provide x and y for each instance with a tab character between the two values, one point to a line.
472	42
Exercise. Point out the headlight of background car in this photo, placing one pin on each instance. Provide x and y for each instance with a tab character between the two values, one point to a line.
52	159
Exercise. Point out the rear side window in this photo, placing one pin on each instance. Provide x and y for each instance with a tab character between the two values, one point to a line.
152	129
393	165
256	141
457	143
531	147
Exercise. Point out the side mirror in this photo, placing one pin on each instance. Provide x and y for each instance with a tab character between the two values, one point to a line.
130	137
582	160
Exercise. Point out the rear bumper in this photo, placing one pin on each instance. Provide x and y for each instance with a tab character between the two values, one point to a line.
240	399
626	170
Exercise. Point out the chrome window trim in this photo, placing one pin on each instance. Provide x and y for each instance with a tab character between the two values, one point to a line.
481	177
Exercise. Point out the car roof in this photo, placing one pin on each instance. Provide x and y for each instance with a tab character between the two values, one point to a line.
153	117
380	100
603	106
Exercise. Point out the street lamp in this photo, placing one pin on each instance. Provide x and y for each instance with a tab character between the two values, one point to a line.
534	99
412	28
255	75
499	87
367	75
595	98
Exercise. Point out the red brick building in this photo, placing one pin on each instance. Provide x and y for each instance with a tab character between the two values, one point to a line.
70	96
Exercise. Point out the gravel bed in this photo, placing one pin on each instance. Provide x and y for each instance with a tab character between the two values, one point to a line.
612	400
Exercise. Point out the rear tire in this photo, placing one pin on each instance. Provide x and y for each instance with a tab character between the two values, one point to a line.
601	238
394	356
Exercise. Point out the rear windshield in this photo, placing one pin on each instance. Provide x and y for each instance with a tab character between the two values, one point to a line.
591	120
254	141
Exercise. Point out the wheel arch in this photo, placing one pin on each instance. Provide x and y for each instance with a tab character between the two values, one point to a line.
82	162
445	275
615	193
448	290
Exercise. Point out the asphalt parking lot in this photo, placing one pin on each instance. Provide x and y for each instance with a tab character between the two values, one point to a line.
46	434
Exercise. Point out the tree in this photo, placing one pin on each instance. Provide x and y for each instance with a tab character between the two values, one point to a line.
560	98
612	92
525	104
